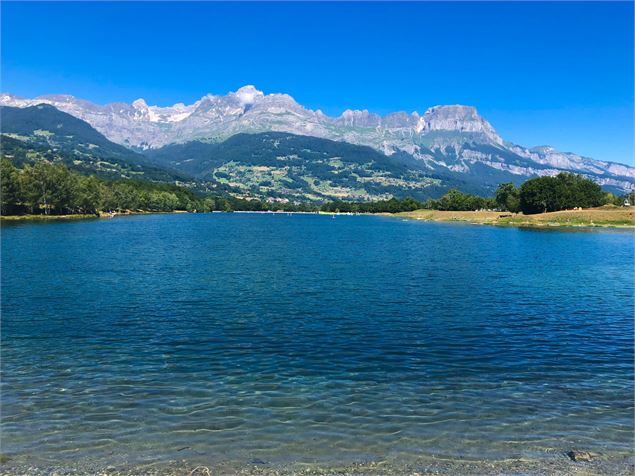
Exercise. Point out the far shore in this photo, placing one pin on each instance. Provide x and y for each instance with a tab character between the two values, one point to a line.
606	216
80	216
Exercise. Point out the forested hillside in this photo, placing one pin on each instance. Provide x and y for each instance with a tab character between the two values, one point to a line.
44	133
281	165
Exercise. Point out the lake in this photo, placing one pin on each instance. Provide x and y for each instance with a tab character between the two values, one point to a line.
261	342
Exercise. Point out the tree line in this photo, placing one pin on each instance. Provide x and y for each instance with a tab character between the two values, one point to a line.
561	192
537	195
453	200
52	189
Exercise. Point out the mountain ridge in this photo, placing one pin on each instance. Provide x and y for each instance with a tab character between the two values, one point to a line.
452	138
249	99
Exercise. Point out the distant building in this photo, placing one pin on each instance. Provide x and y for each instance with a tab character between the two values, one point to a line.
627	203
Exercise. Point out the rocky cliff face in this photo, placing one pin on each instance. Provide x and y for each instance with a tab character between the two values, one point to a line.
453	138
249	110
457	119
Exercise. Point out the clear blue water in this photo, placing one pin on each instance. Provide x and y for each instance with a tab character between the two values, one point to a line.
242	338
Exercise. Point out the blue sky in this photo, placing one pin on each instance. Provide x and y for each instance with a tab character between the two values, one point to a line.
541	73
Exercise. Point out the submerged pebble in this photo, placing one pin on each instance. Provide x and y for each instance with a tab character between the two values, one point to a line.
580	455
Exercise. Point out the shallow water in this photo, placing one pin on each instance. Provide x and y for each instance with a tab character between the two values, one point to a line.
272	339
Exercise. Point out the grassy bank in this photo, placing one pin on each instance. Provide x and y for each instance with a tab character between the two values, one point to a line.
81	216
44	217
606	216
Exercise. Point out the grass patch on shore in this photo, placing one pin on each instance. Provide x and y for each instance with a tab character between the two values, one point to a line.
83	216
602	216
45	217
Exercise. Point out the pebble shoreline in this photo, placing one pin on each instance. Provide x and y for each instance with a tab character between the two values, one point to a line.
555	466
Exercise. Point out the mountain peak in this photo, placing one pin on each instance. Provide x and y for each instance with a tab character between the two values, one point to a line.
247	95
457	118
139	104
454	112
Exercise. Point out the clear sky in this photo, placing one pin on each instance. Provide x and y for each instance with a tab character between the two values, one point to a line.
541	73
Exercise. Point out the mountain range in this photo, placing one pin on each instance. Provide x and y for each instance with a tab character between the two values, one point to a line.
261	143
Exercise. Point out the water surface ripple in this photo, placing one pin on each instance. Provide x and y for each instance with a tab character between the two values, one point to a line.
273	338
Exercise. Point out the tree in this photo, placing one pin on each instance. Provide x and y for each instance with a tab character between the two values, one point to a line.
609	198
564	191
453	201
578	191
124	197
458	201
48	187
409	204
507	197
90	196
10	191
540	195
